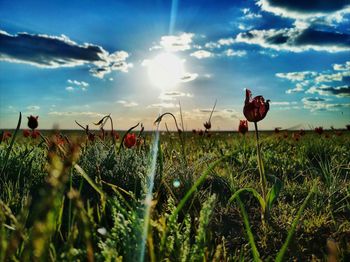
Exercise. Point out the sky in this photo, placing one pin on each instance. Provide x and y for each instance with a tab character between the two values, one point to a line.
80	60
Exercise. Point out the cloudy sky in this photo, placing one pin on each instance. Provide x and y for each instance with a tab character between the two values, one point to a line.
80	60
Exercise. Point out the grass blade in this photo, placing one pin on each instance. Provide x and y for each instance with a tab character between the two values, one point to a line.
291	231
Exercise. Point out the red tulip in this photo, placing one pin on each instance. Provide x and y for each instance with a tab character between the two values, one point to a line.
255	109
319	130
35	134
6	135
130	140
26	133
115	135
33	122
243	126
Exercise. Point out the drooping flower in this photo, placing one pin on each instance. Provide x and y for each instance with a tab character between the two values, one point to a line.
243	126
33	122
255	109
319	130
130	140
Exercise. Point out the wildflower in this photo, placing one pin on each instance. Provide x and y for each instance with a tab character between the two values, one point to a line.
277	130
207	125
243	126
200	132
6	135
255	109
194	131
91	137
348	127
319	130
115	135
130	140
33	122
302	132
296	136
35	134
26	133
339	133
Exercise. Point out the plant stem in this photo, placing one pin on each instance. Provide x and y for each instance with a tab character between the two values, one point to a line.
260	163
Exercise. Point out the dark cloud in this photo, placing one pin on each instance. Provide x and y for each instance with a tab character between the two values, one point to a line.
297	40
301	9
314	99
59	51
310	6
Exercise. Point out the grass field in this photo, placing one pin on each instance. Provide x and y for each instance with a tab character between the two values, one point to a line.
68	198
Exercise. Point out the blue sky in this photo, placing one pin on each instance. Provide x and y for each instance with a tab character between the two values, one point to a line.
79	60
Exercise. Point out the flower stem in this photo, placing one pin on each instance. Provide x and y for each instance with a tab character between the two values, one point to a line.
260	163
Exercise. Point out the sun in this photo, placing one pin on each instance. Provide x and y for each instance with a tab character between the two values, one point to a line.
166	70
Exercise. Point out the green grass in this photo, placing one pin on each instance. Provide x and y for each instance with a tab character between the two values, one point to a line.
85	200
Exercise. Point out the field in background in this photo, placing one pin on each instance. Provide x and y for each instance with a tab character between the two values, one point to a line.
68	198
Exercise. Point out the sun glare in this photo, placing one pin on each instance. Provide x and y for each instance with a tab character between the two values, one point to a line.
166	70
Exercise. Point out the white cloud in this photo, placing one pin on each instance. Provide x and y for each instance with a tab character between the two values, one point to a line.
127	103
342	67
200	54
75	82
70	88
297	76
297	89
172	95
174	43
33	108
72	113
332	77
283	103
231	52
163	105
324	90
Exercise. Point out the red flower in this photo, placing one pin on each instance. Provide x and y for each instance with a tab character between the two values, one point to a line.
194	131
207	125
319	130
26	133
91	137
33	122
255	109
277	130
302	132
200	132
130	140
6	135
243	126
35	134
296	136
115	135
